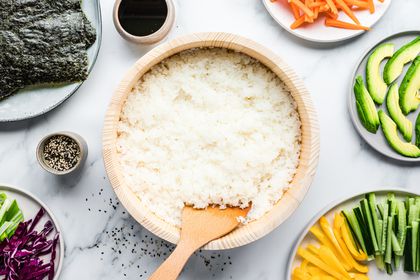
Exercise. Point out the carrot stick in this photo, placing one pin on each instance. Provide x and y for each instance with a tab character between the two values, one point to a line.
331	15
298	22
345	25
301	6
295	10
371	6
332	6
307	18
358	3
316	12
347	10
381	1
316	4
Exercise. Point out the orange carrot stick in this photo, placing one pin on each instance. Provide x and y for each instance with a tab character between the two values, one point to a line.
345	25
358	3
301	6
331	15
332	6
316	4
371	6
298	22
347	10
295	10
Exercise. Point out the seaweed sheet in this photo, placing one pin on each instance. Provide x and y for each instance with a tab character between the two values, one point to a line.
41	42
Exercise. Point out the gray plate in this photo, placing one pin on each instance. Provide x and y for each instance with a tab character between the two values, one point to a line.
346	203
33	102
30	205
377	141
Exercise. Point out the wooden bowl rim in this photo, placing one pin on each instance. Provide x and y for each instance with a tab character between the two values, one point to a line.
309	148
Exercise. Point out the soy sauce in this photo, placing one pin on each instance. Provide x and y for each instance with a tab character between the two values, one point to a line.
142	17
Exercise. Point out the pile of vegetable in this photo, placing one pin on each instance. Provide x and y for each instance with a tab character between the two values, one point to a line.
400	100
308	11
10	216
388	231
337	257
25	253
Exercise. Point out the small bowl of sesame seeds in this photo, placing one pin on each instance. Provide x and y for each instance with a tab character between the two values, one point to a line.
62	153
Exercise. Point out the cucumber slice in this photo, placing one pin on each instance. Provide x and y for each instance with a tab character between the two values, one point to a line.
365	106
409	96
402	224
388	250
367	217
408	260
385	228
394	66
372	207
370	251
375	83
414	244
355	228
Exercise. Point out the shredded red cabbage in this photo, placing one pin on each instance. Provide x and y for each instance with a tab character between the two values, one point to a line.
20	256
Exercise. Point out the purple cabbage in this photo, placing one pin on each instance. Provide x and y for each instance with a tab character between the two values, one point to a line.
20	256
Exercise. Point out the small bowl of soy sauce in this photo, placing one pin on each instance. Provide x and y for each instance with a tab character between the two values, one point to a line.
144	21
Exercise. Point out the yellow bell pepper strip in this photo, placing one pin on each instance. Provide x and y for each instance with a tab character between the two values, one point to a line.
314	250
299	274
327	255
326	241
328	231
338	221
313	270
358	254
358	276
304	265
305	254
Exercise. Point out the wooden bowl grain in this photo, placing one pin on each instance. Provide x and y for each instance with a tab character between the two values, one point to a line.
309	148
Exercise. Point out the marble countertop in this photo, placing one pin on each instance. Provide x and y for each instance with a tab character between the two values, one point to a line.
104	242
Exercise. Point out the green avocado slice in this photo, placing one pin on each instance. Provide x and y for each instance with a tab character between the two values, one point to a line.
366	108
410	86
375	83
393	106
394	66
391	134
418	131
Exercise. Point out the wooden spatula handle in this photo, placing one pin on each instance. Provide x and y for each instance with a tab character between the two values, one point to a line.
173	265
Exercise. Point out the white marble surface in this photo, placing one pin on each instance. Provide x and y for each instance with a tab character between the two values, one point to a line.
346	165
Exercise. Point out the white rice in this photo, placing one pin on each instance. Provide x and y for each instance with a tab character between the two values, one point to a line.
209	126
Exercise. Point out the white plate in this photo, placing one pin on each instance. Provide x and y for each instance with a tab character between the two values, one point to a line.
33	102
317	31
348	203
30	205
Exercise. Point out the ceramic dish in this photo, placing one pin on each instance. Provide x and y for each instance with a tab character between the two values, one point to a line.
377	141
318	32
309	152
30	206
344	203
33	102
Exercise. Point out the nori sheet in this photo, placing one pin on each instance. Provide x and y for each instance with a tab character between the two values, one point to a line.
42	42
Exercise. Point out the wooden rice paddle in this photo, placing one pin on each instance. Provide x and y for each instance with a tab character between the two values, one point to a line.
199	227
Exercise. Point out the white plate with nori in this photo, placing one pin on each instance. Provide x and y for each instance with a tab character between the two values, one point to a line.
33	101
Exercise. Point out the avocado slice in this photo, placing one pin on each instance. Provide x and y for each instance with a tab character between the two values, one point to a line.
375	83
391	134
418	131
393	106
410	86
394	66
365	106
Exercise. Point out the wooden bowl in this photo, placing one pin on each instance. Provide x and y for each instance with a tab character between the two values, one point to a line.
309	148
